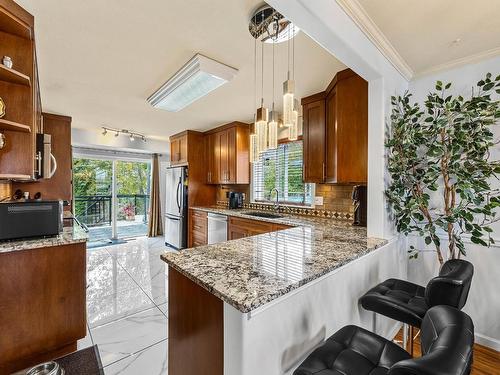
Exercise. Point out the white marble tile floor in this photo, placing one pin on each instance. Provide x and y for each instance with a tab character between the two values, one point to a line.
127	307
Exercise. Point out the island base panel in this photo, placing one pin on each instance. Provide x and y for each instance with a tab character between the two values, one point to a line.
42	304
195	328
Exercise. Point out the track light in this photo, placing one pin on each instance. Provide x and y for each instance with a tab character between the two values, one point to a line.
131	134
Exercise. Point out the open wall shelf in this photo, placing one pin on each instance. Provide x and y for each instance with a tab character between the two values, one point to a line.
14	126
16	177
13	76
14	25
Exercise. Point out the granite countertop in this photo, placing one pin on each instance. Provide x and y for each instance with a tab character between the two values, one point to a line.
248	273
70	235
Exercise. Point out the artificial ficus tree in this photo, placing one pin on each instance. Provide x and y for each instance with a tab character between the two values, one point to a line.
443	149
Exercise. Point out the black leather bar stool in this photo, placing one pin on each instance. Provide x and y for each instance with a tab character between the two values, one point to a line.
447	338
407	302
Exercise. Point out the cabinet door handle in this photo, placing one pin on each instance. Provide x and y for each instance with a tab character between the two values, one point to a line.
324	171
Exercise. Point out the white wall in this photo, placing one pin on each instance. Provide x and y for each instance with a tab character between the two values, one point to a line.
326	23
94	138
276	338
484	299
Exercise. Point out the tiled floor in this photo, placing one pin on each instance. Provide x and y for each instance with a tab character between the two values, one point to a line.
126	307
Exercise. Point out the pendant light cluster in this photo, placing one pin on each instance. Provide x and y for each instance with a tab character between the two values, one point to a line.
269	26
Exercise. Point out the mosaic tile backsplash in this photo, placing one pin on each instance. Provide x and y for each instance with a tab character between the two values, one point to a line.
337	201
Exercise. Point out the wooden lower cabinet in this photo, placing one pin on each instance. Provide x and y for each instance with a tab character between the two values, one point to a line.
42	304
198	228
241	228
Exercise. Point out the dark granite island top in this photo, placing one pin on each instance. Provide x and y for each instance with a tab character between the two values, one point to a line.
250	272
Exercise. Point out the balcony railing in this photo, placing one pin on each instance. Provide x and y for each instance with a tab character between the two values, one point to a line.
96	210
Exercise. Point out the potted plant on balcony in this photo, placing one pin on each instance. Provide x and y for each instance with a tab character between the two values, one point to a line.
440	166
129	212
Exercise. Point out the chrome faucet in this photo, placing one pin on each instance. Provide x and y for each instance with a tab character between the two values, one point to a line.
277	204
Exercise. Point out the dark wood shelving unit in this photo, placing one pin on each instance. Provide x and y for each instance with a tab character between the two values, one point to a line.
13	76
14	126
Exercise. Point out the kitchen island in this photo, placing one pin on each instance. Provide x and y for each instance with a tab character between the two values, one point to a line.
261	303
42	298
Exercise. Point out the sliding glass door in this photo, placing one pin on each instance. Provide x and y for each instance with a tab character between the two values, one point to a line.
111	197
132	194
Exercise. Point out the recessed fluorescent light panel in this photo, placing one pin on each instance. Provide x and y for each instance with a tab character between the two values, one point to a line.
194	80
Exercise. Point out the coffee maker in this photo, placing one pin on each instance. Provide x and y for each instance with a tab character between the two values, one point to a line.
235	200
359	199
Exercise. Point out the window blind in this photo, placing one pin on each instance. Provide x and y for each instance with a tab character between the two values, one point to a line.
281	169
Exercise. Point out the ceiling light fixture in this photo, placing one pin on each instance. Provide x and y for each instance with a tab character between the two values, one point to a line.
198	77
269	26
131	134
273	123
288	92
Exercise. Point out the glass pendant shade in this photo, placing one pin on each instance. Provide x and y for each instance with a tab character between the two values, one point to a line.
254	148
288	96
273	131
261	128
294	128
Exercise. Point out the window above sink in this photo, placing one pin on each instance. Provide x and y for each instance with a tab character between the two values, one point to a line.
281	169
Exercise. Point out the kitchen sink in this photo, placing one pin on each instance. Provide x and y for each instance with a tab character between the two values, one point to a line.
267	215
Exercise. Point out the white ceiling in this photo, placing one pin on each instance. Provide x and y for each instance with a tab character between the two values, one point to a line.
100	60
423	31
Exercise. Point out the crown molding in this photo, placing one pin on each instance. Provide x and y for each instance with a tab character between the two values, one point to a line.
358	14
459	62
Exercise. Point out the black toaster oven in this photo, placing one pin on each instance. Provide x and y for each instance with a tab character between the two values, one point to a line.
28	219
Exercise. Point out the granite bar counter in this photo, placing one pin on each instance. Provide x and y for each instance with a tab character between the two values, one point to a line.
69	236
258	304
248	273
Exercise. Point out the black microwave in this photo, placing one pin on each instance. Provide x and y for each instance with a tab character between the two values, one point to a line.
28	219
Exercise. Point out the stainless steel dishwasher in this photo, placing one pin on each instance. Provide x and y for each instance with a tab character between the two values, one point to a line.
217	228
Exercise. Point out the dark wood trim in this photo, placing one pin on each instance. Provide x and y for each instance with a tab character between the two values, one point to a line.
195	328
54	116
313	98
19	15
286	140
343	74
228	126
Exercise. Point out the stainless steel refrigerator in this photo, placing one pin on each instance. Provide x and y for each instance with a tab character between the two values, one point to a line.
176	208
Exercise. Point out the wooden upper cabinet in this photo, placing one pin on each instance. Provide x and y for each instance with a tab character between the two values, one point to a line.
60	185
351	116
179	149
330	137
227	149
336	131
314	140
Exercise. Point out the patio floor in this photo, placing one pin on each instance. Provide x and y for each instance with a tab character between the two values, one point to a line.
102	234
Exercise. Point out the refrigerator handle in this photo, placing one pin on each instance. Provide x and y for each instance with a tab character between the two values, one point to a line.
177	195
